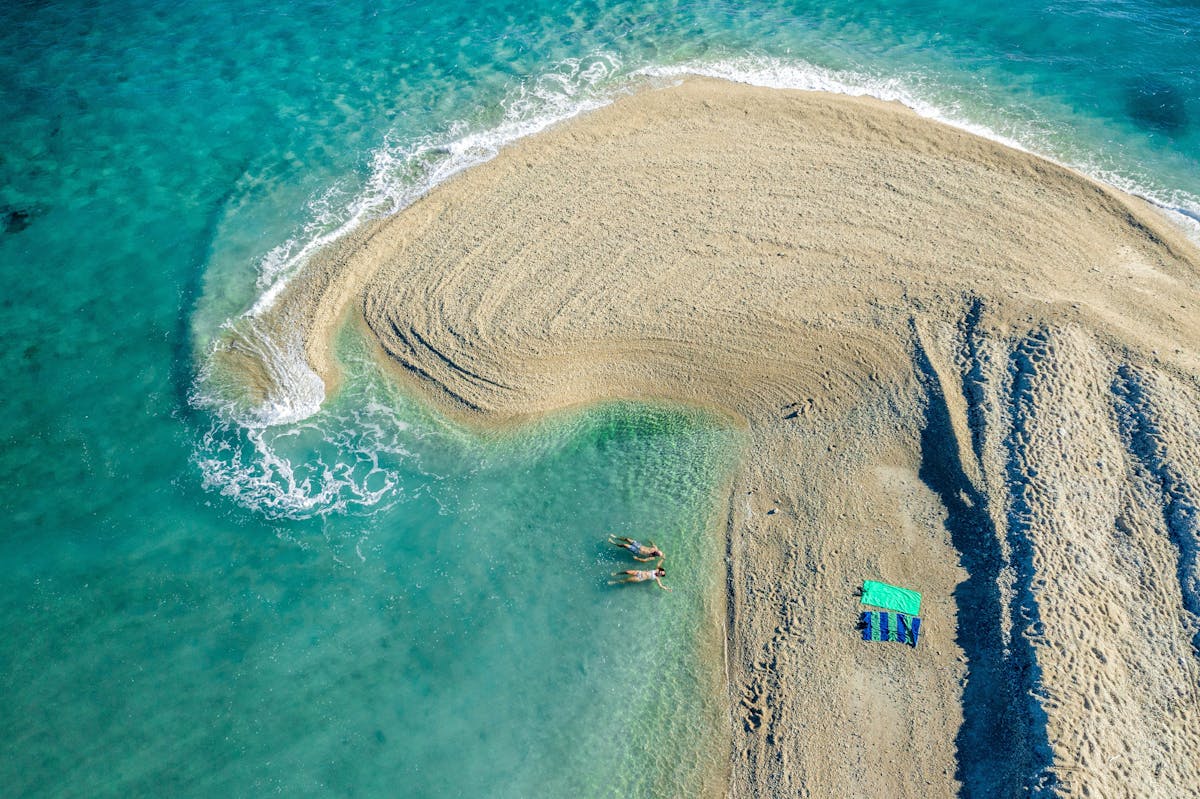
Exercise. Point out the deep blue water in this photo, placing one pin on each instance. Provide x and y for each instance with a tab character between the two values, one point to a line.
350	603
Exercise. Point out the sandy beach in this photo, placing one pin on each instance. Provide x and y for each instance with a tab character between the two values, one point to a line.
960	368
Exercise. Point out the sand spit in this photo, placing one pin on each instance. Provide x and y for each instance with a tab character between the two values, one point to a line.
961	368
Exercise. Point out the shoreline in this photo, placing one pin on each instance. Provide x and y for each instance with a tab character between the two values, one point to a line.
886	303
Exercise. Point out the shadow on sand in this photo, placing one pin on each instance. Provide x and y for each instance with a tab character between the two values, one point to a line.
1003	745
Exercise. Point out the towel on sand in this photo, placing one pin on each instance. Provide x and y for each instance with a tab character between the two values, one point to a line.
892	597
879	625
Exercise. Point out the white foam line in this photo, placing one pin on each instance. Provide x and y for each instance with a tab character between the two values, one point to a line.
355	468
773	73
553	98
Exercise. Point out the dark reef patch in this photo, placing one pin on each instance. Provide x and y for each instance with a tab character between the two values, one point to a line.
1157	105
14	219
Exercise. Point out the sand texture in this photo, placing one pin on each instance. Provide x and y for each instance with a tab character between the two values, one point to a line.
960	368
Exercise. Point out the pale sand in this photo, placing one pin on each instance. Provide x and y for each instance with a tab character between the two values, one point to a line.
961	368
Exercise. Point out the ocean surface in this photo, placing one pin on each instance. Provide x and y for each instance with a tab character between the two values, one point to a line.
351	595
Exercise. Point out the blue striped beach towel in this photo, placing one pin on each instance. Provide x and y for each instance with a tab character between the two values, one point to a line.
881	625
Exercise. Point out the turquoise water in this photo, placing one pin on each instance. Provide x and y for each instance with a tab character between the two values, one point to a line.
448	632
347	601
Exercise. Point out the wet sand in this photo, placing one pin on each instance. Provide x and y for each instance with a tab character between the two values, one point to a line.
961	368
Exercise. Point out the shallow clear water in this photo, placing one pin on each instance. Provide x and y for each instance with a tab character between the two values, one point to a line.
348	603
458	638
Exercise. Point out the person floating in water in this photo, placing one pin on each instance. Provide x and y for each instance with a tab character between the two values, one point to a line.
634	576
641	552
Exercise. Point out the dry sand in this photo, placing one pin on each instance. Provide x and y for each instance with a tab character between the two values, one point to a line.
961	368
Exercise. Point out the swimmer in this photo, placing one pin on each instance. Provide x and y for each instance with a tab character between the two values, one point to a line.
641	552
634	576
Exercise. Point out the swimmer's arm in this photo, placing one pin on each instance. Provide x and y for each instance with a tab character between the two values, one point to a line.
660	584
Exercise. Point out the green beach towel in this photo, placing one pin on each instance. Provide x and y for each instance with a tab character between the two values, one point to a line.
892	597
